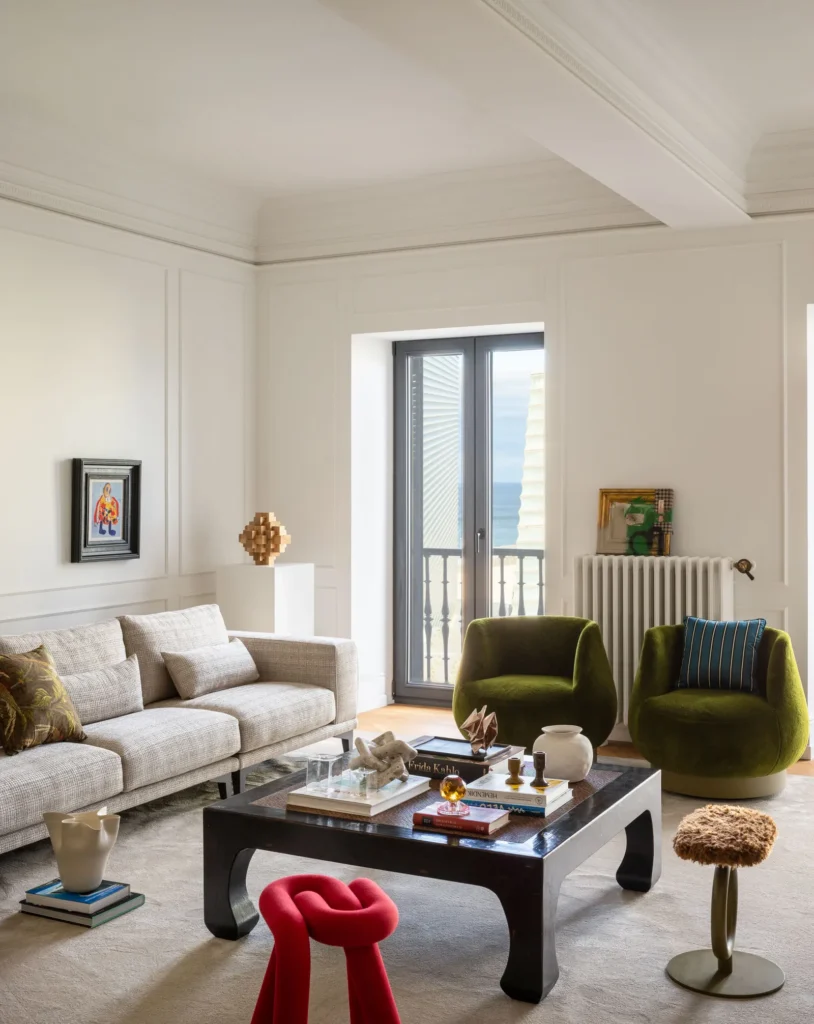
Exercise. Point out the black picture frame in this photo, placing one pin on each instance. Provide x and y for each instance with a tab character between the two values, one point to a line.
106	528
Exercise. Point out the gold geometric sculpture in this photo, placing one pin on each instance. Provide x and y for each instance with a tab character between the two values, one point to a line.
264	538
481	731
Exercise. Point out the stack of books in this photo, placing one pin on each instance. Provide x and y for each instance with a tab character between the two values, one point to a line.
438	756
481	821
89	909
494	791
390	795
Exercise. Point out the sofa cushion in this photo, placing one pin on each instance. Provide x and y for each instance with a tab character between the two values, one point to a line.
148	635
54	777
720	655
160	743
106	692
211	668
80	649
269	712
712	733
34	705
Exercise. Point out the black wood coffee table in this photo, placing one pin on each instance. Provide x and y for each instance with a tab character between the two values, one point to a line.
524	864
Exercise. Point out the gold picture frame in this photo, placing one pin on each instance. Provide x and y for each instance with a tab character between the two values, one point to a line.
635	521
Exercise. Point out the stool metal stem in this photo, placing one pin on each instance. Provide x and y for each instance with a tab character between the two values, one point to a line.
723	970
724	916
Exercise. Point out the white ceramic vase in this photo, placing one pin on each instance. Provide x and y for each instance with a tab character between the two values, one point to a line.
569	755
82	843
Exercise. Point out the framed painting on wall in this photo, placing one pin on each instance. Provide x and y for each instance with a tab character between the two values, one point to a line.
105	510
635	521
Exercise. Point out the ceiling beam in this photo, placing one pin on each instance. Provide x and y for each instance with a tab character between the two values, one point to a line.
508	58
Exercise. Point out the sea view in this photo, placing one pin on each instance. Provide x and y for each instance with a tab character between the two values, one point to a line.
505	513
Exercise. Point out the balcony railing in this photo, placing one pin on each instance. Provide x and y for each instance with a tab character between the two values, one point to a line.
517	589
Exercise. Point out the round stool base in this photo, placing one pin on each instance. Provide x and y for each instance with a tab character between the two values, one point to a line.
751	975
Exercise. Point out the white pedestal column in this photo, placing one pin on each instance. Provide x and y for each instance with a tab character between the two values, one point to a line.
268	598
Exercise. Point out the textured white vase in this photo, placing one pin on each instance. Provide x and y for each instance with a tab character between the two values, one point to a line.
82	844
568	754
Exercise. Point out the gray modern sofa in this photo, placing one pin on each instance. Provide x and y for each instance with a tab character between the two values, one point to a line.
306	692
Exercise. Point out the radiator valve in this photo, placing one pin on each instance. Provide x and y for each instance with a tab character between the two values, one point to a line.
745	566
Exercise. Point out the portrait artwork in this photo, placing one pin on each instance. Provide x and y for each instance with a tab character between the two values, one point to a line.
106	509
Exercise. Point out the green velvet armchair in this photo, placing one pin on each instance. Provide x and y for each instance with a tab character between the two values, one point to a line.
535	671
718	743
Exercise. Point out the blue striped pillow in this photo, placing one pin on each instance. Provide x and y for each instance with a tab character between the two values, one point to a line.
720	655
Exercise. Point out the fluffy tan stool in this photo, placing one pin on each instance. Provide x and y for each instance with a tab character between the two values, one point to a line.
729	838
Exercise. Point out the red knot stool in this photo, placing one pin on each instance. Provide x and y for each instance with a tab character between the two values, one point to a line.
728	838
356	917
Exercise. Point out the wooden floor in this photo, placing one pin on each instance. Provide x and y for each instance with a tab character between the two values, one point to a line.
407	720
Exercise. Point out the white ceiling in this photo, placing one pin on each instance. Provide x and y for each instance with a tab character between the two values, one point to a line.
402	119
275	95
758	53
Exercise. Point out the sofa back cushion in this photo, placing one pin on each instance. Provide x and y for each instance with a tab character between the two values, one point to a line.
79	649
147	636
211	668
106	692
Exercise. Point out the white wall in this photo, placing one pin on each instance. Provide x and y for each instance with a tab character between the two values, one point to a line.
113	345
371	622
673	359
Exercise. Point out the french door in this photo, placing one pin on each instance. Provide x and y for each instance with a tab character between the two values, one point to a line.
469	498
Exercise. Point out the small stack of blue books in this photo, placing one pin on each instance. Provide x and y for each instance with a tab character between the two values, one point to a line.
87	909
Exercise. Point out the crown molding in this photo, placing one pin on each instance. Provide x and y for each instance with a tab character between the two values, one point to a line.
542	198
97	206
781	174
547	30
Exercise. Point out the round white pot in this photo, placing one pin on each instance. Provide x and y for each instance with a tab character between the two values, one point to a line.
569	755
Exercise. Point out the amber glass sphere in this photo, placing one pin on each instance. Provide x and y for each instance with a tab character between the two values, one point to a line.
453	788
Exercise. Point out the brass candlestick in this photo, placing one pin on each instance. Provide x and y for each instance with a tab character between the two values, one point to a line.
515	770
539	781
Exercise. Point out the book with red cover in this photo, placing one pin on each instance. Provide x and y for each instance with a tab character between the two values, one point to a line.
482	821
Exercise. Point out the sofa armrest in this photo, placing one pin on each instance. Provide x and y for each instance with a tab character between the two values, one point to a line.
321	661
594	686
785	693
479	656
658	671
659	662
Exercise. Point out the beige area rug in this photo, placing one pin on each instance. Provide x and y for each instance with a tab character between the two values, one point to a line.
159	964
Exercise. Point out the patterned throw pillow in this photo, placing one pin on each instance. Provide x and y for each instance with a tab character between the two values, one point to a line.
34	704
207	669
720	655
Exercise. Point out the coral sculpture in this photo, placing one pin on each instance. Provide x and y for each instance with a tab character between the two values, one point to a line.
481	731
264	538
387	755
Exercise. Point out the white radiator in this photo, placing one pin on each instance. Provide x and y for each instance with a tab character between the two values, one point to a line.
627	594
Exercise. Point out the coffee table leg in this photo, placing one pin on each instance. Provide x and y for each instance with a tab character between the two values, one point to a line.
532	969
641	865
228	911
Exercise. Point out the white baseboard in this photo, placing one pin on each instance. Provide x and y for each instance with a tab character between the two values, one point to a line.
369	702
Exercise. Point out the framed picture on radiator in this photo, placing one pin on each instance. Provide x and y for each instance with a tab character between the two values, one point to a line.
635	521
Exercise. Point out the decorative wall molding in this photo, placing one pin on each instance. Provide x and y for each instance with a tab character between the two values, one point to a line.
545	197
539	23
20	185
780	174
126	269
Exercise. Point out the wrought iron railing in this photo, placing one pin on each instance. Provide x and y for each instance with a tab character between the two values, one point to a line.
502	605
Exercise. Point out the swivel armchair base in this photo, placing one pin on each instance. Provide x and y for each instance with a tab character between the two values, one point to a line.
718	788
